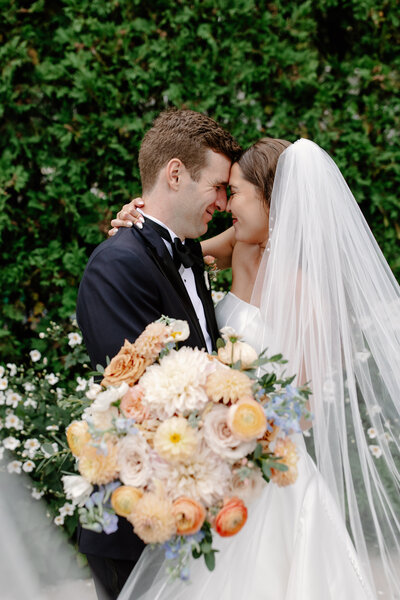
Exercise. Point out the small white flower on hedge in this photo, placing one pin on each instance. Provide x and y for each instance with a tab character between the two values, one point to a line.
375	451
3	383
74	339
29	387
82	383
12	368
10	443
59	520
36	494
35	355
28	466
52	378
14	466
30	402
2	398
52	428
2	370
67	510
12	398
13	422
371	432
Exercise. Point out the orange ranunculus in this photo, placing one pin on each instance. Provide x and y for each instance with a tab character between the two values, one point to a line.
246	419
231	517
128	365
124	498
189	515
132	406
78	437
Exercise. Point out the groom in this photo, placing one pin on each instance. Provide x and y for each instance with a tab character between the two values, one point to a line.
140	274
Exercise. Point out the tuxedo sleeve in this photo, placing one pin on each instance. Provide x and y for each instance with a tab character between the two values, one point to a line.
118	296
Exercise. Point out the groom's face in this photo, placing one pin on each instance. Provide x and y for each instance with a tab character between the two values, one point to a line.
203	197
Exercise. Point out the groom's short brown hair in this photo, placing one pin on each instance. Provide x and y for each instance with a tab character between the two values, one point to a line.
183	134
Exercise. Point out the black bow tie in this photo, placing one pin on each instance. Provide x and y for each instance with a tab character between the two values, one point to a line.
182	253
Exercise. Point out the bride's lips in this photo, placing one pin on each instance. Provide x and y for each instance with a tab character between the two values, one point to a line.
210	214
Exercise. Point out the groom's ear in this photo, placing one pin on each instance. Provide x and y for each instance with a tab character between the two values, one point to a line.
174	172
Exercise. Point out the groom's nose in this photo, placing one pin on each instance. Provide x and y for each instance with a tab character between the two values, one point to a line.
220	203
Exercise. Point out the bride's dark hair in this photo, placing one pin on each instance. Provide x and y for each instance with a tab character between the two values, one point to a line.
258	164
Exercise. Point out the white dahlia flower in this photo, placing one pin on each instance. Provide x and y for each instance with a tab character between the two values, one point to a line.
205	477
176	385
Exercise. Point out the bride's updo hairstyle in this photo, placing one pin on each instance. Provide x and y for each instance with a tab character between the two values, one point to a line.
258	164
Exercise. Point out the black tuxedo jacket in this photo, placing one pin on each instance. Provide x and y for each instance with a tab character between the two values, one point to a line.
130	281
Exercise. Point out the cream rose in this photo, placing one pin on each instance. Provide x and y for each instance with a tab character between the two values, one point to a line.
134	461
220	438
231	353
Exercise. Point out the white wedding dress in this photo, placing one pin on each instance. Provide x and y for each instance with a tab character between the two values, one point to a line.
294	545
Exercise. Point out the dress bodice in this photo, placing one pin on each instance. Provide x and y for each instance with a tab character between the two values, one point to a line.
243	317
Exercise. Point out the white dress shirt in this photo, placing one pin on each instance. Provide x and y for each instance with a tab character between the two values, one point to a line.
187	276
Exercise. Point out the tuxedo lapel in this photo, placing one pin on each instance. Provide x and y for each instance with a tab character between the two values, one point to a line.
157	249
204	294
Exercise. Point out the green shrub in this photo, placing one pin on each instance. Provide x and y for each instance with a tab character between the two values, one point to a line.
82	81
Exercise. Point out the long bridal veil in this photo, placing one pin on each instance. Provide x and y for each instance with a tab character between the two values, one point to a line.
332	306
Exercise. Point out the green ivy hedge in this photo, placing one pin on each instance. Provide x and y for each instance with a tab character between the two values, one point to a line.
82	81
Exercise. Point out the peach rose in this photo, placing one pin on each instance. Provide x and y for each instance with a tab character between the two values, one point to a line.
150	343
78	437
124	499
132	406
189	515
231	517
128	365
246	419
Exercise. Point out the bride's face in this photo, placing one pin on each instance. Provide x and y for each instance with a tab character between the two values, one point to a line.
249	213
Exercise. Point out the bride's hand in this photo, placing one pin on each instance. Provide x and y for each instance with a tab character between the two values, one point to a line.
128	216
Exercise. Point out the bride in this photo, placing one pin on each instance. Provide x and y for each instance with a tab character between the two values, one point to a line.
308	280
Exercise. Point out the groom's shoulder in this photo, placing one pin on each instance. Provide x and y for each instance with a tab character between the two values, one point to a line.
121	247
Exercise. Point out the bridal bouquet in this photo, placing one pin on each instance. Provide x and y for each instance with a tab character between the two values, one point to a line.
179	441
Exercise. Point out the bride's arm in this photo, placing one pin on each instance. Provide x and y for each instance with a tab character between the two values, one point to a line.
220	247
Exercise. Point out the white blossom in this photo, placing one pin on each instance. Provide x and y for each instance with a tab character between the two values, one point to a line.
67	510
52	378
28	466
12	368
372	432
2	398
14	466
12	398
2	370
375	451
52	428
35	355
10	443
74	339
30	402
29	387
36	494
59	520
82	383
13	422
94	389
3	383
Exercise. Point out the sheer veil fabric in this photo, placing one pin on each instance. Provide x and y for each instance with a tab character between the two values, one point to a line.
331	304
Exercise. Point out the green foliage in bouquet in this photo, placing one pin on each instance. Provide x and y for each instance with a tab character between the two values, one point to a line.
82	81
34	414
